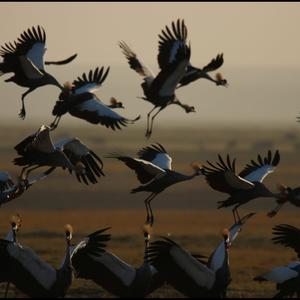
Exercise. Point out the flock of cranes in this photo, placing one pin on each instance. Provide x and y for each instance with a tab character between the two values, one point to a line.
164	260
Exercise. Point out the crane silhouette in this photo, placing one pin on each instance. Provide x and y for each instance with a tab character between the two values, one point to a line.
79	100
25	59
191	274
22	267
242	187
160	90
154	170
170	40
38	150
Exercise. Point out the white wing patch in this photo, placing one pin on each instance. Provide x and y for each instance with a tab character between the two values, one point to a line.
150	167
95	105
30	70
280	274
163	160
118	267
41	271
260	174
87	88
198	272
169	86
36	54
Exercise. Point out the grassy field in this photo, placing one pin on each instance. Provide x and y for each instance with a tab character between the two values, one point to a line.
187	211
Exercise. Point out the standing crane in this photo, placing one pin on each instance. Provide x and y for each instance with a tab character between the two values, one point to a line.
287	278
38	150
22	267
170	40
25	58
91	261
188	273
79	100
153	168
242	187
160	90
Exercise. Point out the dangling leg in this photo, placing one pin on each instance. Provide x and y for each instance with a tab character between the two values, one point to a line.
150	208
152	119
54	124
23	171
233	212
30	170
237	213
148	117
22	113
147	208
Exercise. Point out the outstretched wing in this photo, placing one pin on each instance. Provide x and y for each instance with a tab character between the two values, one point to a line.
214	64
91	261
144	170
91	82
166	81
77	152
95	111
40	141
179	266
95	243
288	236
221	176
257	171
157	155
134	62
169	43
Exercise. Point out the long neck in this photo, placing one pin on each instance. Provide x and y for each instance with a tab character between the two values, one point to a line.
67	260
146	251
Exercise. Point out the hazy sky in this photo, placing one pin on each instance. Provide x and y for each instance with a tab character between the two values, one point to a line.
260	42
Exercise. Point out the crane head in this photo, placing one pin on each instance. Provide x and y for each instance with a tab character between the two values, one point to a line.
68	232
197	168
220	80
15	222
226	236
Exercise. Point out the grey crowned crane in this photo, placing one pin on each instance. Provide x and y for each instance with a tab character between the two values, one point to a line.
91	261
15	190
21	266
25	58
169	42
38	150
189	273
79	100
153	168
242	187
160	90
287	195
287	278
